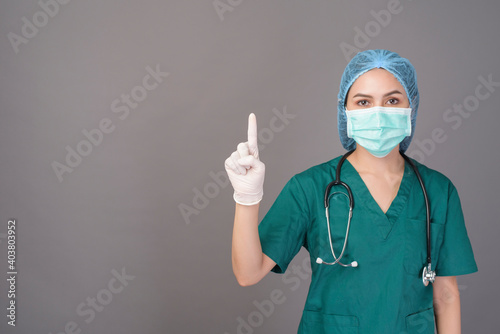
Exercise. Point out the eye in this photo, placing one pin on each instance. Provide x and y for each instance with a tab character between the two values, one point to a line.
362	103
392	101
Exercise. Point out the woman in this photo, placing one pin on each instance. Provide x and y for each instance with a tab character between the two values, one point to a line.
372	280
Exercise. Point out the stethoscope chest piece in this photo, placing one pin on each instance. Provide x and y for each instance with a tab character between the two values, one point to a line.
428	275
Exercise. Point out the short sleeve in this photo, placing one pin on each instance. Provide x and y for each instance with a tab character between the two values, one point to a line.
283	229
456	256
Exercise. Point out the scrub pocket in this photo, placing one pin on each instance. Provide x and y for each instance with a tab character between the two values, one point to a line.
421	322
319	323
415	252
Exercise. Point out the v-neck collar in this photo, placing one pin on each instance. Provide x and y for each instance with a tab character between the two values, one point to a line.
362	195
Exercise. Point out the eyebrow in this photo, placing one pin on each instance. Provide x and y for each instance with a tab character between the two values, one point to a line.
390	93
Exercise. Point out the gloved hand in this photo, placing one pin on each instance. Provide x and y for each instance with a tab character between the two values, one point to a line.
245	170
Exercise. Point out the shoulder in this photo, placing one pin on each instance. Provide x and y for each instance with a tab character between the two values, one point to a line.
434	179
308	185
312	181
317	172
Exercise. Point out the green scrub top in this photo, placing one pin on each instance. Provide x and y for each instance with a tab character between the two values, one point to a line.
385	293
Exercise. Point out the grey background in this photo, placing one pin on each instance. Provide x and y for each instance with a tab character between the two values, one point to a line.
121	207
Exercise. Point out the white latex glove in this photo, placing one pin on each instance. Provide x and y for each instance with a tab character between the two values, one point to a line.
245	170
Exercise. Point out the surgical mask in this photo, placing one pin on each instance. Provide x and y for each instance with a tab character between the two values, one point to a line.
379	129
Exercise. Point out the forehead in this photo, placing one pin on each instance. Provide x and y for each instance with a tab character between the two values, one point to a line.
376	80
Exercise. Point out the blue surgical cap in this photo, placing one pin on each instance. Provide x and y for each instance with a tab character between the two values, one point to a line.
364	61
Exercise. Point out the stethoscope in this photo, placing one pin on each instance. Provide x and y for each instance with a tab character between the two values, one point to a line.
428	275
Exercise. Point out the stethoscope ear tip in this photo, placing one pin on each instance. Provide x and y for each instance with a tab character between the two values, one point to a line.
319	261
354	264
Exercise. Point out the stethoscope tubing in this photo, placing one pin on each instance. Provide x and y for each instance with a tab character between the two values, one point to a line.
427	209
427	274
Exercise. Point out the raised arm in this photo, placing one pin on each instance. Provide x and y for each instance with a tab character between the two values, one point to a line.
246	173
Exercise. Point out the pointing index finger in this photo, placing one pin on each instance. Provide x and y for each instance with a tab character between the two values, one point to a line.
252	135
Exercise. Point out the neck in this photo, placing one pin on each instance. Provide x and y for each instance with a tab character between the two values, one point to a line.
364	161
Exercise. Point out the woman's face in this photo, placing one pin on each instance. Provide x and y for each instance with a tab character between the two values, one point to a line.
377	87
